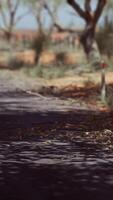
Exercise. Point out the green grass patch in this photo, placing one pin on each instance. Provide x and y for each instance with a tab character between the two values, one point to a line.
46	72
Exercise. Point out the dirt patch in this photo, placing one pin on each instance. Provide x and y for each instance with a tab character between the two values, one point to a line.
89	96
78	89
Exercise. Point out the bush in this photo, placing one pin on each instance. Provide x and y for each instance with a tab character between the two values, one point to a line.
60	58
46	72
15	64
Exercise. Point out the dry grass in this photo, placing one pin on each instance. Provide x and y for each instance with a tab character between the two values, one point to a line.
47	57
82	88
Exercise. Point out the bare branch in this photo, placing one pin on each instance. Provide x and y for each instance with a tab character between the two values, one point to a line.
99	9
87	6
77	8
4	17
50	12
54	20
88	10
8	13
53	17
22	16
64	29
16	5
10	6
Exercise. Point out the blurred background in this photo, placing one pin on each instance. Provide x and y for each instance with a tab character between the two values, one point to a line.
45	39
47	33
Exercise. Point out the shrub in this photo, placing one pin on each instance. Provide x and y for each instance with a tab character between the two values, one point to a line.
14	63
46	72
60	58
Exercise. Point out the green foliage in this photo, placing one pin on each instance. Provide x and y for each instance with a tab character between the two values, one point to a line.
49	72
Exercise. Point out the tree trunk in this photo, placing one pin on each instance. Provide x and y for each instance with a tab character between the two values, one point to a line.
91	18
89	43
8	35
103	86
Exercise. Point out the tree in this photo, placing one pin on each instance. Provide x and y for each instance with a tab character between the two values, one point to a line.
37	9
109	9
105	34
52	8
9	17
91	19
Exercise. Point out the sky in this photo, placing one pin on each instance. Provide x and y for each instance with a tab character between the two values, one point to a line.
67	16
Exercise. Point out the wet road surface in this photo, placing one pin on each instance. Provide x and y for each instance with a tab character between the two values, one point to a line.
51	169
43	157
